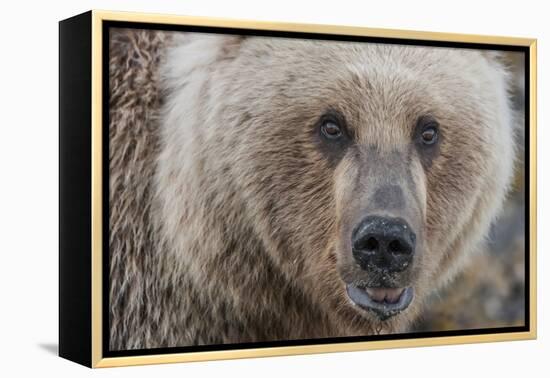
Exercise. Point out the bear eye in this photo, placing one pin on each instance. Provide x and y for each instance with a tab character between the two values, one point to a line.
332	135
429	130
331	130
429	135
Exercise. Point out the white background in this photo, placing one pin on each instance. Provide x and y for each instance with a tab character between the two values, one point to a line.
29	186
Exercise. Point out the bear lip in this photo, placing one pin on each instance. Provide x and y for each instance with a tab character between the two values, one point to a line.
384	302
388	295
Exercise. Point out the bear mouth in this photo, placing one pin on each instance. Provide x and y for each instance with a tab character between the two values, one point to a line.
384	302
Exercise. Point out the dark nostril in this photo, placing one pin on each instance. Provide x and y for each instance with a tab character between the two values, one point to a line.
395	246
371	244
399	246
386	243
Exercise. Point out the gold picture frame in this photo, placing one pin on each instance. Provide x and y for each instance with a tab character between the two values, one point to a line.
91	325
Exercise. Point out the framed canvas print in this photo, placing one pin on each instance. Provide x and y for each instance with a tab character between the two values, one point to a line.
234	189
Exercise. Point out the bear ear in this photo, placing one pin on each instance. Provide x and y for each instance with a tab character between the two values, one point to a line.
191	51
231	45
208	47
499	62
493	55
511	67
497	59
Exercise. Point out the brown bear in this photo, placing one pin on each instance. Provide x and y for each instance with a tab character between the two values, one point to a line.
269	189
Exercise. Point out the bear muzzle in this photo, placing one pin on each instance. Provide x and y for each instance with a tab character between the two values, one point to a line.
383	247
383	243
384	302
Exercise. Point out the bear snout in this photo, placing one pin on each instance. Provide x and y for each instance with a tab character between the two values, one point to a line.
383	244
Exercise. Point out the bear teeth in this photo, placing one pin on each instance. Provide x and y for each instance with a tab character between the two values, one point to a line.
389	295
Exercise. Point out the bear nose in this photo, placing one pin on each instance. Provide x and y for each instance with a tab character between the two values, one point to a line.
383	243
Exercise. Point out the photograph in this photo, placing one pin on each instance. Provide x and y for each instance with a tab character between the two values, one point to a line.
272	189
275	189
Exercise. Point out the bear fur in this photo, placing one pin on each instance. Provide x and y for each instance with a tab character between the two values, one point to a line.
226	217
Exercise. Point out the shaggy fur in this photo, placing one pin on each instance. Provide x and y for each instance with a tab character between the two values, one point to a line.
229	219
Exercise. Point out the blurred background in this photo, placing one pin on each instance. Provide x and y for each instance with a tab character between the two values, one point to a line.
491	291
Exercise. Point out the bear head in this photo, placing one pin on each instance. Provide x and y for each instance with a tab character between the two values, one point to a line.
368	171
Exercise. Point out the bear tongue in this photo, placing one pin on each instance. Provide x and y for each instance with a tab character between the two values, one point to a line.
390	295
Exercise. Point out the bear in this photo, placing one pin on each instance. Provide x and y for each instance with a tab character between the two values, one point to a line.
270	189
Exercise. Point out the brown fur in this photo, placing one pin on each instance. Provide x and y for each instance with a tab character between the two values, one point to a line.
229	223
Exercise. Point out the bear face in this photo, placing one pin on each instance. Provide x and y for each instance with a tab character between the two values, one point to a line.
365	173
